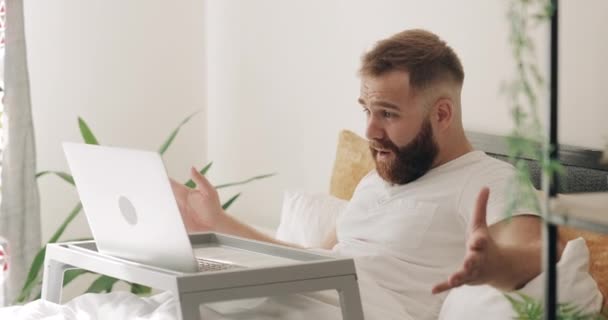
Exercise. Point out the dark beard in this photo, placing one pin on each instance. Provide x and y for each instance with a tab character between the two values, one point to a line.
411	161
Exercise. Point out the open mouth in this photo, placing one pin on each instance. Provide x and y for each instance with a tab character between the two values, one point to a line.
382	153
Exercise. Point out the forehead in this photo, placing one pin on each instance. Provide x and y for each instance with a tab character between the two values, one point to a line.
393	86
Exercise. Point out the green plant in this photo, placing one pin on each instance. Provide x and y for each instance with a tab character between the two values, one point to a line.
528	308
102	283
527	139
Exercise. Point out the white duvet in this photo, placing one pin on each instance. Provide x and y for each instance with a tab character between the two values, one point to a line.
377	304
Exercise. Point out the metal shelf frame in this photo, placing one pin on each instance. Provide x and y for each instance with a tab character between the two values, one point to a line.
551	183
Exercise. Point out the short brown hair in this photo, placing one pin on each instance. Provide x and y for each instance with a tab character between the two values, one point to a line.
422	54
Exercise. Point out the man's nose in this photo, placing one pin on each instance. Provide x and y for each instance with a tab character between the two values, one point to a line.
374	130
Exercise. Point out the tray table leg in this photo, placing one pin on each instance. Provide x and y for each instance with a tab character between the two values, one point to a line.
350	300
52	283
188	307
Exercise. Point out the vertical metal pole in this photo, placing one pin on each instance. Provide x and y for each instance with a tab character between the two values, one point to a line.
550	229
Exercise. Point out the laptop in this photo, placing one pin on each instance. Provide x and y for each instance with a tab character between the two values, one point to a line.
131	210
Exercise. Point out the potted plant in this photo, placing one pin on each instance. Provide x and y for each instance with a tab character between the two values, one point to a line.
102	283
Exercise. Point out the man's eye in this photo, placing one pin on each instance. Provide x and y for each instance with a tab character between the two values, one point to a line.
387	114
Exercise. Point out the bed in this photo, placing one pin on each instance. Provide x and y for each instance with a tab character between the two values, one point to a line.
318	212
584	173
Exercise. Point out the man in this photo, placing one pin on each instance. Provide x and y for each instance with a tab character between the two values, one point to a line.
428	200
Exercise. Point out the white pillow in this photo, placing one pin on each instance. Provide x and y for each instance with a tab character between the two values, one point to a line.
307	219
575	285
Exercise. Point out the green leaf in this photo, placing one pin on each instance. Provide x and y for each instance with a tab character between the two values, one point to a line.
520	307
102	284
190	183
85	131
32	276
173	134
65	176
244	181
72	274
230	201
530	309
138	289
38	262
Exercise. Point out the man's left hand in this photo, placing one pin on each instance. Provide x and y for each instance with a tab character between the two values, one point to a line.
482	260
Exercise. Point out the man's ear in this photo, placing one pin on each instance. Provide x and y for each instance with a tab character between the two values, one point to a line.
443	113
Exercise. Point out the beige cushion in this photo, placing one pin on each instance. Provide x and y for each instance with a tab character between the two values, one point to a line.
354	161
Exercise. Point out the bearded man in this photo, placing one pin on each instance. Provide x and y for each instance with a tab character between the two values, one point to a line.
422	222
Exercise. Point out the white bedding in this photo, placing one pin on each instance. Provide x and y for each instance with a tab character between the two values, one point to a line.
377	304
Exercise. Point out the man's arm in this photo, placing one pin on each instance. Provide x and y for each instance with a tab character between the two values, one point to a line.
230	225
506	255
331	240
201	211
520	241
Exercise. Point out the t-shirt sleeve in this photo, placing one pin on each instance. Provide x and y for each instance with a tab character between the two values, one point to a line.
500	178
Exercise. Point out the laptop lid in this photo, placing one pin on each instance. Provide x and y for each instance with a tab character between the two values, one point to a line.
129	205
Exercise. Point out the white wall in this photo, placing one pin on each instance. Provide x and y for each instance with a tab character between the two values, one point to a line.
280	77
132	69
282	80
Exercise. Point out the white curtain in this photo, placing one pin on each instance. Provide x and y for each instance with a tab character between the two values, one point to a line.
19	211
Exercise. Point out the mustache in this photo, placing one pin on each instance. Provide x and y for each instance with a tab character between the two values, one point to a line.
383	144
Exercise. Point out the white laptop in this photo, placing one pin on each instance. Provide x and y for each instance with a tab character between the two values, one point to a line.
132	213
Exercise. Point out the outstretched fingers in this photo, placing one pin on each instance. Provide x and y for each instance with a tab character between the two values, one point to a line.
479	216
477	245
179	190
200	180
444	286
455	280
467	274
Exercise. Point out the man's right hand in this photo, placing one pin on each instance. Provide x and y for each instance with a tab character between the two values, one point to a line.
201	211
200	207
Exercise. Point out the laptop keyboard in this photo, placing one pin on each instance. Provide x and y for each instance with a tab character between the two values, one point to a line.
211	265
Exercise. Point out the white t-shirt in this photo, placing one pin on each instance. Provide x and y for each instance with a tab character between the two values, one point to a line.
412	237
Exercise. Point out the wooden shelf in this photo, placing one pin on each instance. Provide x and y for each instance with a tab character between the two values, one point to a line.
583	210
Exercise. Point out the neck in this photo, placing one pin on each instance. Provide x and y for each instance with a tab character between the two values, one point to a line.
452	146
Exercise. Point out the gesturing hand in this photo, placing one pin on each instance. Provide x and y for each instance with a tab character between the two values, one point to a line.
200	207
482	256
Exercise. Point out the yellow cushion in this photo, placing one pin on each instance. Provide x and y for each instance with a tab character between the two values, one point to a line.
354	161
